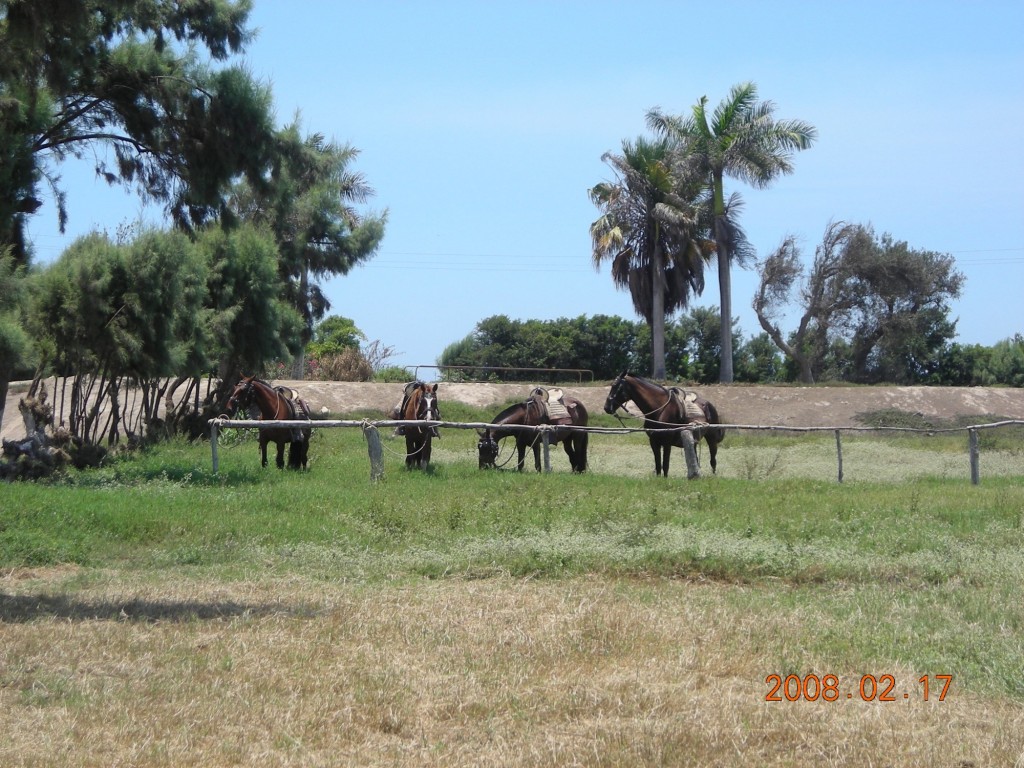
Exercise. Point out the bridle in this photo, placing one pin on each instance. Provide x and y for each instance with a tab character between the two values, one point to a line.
426	408
617	392
240	398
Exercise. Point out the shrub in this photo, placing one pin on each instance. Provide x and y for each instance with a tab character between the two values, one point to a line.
347	365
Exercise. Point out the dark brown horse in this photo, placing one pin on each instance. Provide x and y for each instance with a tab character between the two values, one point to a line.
274	405
532	412
420	405
662	410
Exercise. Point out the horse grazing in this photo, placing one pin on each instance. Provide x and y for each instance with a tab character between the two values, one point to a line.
274	403
662	409
535	411
420	404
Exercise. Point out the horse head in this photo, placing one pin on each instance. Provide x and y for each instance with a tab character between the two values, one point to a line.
487	448
427	408
618	395
241	395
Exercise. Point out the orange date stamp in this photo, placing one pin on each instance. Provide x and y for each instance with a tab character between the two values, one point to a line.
864	688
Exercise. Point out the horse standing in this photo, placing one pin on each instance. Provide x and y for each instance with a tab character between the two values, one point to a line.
533	412
274	405
663	409
420	405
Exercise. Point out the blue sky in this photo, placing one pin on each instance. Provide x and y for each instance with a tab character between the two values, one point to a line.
481	127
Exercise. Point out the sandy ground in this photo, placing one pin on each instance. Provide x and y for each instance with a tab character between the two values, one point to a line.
737	404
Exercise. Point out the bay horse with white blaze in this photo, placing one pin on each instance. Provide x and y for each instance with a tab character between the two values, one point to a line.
665	408
275	405
420	405
535	411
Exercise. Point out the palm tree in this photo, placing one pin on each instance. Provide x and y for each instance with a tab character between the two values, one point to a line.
742	140
649	230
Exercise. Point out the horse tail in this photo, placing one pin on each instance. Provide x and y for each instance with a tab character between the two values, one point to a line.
716	433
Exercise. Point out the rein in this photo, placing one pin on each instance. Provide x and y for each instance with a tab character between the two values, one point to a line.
643	415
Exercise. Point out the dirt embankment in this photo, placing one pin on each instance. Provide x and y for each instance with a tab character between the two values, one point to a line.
737	404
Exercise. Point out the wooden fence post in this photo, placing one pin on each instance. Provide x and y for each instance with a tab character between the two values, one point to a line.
839	454
213	446
690	452
547	450
972	441
375	450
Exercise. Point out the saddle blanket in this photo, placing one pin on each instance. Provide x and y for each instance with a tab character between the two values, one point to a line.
688	399
551	400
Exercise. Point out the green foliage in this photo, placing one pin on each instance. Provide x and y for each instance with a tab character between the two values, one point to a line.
250	323
14	342
333	335
602	344
606	345
873	309
1006	363
128	310
308	201
393	374
77	78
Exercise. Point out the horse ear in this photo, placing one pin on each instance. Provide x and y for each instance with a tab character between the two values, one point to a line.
434	388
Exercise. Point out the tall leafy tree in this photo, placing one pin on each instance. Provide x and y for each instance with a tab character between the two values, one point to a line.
741	139
649	231
309	201
123	82
873	309
14	341
251	323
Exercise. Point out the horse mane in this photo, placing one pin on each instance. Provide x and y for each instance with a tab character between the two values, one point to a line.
499	419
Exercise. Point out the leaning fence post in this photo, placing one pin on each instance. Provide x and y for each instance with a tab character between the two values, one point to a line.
839	454
972	441
375	450
690	452
213	446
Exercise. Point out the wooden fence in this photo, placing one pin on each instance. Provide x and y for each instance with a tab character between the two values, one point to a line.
371	434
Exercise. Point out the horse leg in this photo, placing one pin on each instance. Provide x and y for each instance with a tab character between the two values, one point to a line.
280	455
580	442
536	454
656	450
570	452
667	448
713	453
521	450
425	457
263	453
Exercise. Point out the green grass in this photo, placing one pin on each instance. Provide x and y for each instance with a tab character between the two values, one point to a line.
926	570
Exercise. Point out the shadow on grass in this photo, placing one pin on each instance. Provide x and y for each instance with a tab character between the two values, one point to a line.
26	608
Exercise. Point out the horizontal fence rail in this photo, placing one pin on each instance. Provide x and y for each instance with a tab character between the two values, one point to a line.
370	428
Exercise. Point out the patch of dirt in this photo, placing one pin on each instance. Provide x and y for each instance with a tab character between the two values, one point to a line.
791	406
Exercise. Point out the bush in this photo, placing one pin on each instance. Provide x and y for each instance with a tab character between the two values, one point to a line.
393	374
347	365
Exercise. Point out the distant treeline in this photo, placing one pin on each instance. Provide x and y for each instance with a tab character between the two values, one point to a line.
607	345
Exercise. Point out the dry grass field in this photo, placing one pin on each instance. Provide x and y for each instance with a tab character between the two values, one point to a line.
491	672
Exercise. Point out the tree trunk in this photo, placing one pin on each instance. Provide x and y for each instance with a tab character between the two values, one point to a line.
5	383
725	289
657	315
